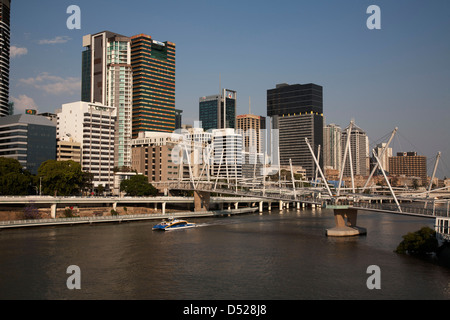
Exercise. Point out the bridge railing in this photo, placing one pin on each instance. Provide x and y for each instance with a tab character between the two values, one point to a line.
286	195
405	209
73	219
96	219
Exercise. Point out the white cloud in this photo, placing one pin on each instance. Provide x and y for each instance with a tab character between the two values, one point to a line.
22	103
16	51
54	84
56	40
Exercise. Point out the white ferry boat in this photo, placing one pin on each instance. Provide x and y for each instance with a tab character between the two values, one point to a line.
173	224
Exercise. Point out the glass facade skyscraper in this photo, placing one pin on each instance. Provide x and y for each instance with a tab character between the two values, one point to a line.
153	65
5	6
294	99
107	79
218	111
297	112
30	139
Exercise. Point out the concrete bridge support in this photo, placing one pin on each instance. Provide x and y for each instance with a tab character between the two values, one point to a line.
345	224
260	206
201	201
53	211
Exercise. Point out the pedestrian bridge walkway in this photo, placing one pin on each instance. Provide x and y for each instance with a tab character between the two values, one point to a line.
411	210
310	196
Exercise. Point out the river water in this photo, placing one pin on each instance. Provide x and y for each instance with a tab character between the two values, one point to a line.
268	256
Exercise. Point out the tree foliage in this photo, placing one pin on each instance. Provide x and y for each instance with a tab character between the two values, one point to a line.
13	179
138	185
421	242
61	178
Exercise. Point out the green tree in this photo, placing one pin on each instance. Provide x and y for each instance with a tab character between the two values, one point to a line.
13	179
138	185
100	190
87	184
61	177
420	242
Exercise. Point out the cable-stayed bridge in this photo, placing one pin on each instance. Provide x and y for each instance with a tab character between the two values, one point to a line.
345	201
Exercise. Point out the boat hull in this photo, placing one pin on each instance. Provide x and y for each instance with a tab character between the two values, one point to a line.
173	228
173	225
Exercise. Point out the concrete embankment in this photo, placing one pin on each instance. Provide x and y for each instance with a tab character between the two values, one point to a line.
118	218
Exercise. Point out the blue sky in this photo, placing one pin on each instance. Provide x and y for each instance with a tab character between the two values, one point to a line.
398	76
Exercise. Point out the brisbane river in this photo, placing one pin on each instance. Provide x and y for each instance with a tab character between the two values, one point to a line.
268	256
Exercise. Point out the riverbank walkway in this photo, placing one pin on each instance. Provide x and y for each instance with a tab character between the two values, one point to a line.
119	218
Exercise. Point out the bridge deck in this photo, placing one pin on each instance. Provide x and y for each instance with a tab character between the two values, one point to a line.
276	195
405	209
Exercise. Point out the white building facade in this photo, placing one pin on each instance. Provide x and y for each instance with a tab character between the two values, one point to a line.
92	125
359	145
227	154
332	147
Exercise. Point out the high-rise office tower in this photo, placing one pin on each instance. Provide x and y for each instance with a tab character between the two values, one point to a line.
30	139
92	125
332	147
218	111
107	79
297	112
227	154
385	158
5	6
178	119
153	65
250	126
359	145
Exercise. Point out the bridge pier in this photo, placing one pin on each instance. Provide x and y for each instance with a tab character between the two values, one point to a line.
53	211
201	201
260	206
345	224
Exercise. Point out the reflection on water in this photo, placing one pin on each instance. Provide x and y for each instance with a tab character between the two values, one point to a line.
257	256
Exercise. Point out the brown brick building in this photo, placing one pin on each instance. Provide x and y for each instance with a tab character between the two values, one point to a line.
151	155
409	164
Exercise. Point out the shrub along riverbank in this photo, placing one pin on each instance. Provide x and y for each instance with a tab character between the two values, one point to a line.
423	244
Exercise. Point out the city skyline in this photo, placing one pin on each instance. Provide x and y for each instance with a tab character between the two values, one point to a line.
394	77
